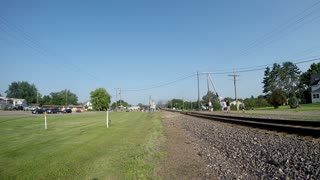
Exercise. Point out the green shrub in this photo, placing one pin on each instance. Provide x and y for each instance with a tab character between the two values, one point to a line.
293	102
277	98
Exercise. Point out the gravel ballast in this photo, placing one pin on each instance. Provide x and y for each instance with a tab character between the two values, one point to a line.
238	152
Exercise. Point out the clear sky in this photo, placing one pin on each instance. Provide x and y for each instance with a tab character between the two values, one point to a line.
83	45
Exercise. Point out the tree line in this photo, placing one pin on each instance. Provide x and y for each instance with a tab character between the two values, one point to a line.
29	92
99	97
283	84
286	84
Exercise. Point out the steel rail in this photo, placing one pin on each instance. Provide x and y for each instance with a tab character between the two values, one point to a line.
301	127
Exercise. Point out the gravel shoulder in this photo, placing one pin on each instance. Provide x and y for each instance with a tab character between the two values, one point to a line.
181	160
204	149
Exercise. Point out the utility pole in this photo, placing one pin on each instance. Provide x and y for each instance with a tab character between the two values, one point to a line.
116	98
208	94
198	91
149	103
66	97
37	98
182	104
120	97
235	87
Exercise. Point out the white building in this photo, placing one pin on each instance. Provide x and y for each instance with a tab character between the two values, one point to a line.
19	102
11	102
88	105
315	88
235	103
152	105
134	108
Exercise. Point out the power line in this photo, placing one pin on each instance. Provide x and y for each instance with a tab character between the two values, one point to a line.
285	26
164	84
298	61
18	34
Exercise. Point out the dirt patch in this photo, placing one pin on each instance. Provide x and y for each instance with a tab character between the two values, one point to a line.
181	160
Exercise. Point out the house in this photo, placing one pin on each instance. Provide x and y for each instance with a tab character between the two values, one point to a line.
315	88
134	108
6	103
9	103
19	102
234	103
88	105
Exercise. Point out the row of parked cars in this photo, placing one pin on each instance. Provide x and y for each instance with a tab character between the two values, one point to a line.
50	111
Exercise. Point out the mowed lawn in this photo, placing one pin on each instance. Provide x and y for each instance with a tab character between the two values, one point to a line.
79	146
302	107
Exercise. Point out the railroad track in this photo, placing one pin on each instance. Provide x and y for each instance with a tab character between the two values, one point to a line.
301	127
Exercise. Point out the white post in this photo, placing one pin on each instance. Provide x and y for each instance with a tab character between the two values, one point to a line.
107	119
45	120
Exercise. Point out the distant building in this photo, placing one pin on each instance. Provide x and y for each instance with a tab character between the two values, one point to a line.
152	106
234	103
9	103
134	108
88	105
315	88
19	102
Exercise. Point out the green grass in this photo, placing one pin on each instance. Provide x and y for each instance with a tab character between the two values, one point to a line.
79	146
303	107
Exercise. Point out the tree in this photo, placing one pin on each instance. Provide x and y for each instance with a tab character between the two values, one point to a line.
289	78
213	99
22	90
100	99
261	101
266	81
122	103
250	102
285	78
46	100
304	82
293	102
113	105
277	98
270	78
64	97
177	103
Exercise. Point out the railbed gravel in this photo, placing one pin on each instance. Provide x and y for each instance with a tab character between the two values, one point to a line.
238	152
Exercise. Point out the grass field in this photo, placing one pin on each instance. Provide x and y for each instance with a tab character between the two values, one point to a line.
303	107
79	146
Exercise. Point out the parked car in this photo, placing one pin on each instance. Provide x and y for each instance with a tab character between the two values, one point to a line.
20	108
27	108
38	111
67	111
53	111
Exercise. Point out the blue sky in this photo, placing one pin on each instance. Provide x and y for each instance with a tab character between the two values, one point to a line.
83	45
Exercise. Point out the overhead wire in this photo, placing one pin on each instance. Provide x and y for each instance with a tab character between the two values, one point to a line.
261	42
263	67
31	43
163	84
27	40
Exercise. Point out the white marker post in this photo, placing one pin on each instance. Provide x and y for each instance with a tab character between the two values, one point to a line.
107	119
45	120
